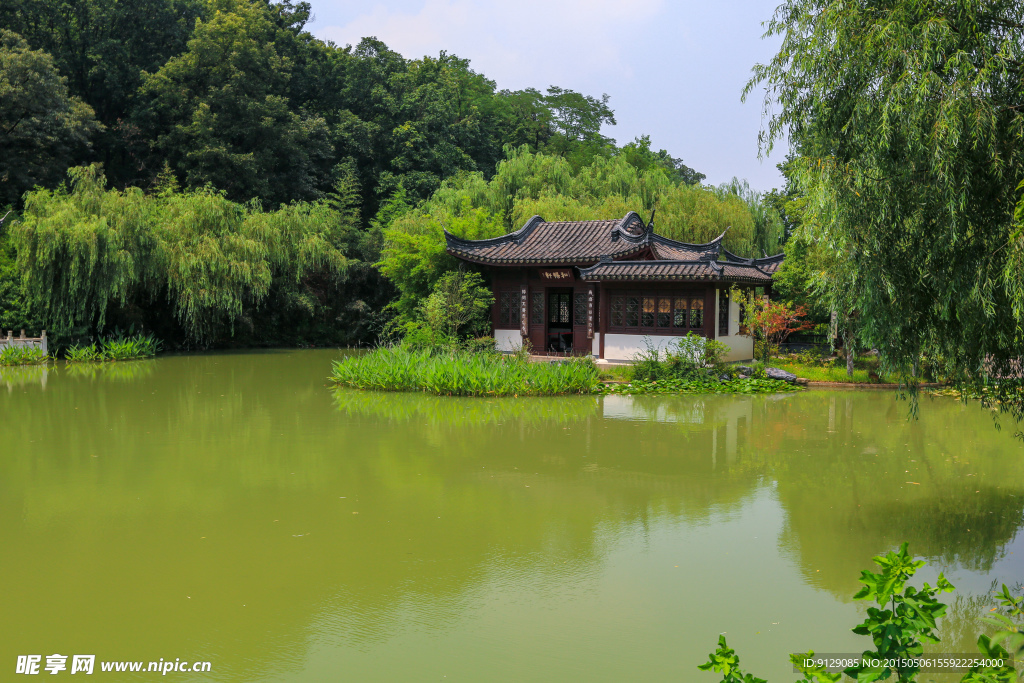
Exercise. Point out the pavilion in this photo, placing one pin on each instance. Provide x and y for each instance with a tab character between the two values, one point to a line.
602	287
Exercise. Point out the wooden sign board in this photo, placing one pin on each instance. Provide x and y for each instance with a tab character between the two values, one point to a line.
557	274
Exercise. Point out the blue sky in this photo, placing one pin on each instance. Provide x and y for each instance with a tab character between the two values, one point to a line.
674	70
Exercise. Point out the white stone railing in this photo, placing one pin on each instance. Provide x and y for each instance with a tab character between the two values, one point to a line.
30	342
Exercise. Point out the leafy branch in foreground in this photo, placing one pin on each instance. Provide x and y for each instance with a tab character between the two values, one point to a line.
902	622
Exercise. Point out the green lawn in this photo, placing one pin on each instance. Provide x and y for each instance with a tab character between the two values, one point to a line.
831	372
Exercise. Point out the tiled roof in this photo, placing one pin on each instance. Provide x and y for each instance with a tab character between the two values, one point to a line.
670	250
768	264
562	242
675	270
599	243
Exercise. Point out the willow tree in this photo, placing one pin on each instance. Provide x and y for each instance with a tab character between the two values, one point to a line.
906	116
84	250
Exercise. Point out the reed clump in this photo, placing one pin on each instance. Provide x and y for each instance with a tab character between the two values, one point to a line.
451	372
23	355
117	348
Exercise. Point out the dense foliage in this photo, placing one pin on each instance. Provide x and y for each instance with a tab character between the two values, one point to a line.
906	123
43	127
238	94
190	265
235	102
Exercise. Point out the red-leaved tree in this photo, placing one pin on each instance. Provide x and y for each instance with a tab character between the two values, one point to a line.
774	321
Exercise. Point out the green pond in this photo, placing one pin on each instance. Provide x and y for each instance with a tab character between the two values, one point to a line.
233	508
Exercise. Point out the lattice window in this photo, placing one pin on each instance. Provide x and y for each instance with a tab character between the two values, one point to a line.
579	309
679	313
647	315
632	311
664	312
696	313
618	304
508	309
537	309
723	312
558	309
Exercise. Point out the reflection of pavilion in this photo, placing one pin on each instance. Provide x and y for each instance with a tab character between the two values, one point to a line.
728	421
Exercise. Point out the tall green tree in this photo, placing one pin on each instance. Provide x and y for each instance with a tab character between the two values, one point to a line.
42	126
907	118
102	48
224	109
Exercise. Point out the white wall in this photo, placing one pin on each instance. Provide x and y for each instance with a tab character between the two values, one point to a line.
595	348
626	346
508	340
741	347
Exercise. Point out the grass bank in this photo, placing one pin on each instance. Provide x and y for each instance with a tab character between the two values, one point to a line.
463	373
818	368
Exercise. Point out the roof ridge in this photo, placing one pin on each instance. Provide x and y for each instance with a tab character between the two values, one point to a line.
518	236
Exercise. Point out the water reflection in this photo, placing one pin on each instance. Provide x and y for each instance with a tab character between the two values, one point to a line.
120	371
234	505
18	376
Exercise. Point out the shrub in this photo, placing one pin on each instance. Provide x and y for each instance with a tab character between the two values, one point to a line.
690	357
459	302
772	322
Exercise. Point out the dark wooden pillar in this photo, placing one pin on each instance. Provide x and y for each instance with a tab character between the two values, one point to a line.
710	319
602	316
524	306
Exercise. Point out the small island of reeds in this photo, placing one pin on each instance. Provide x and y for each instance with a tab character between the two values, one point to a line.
457	372
119	347
692	368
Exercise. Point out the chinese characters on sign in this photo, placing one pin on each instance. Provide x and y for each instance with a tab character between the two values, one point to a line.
563	274
590	313
522	311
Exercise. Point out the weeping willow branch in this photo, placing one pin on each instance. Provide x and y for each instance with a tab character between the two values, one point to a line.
85	248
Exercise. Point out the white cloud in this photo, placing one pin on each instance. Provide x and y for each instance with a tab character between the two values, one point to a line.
519	44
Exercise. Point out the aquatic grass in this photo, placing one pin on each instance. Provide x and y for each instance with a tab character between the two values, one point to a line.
23	355
461	373
117	348
129	347
701	386
82	354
